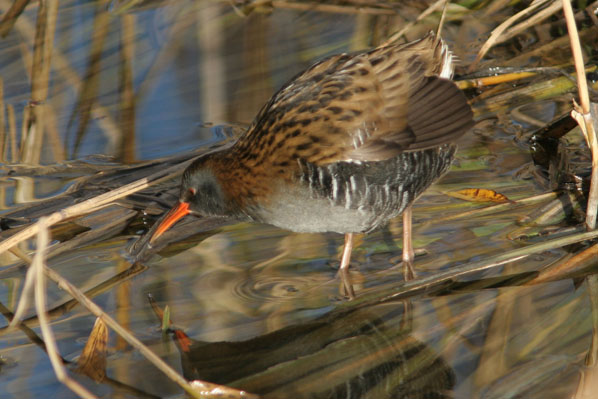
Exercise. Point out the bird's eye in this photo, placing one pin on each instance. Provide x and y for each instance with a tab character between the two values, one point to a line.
192	191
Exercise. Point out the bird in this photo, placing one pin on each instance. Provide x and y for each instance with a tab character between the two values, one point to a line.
344	146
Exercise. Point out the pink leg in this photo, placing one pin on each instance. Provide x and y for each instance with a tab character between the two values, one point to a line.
344	268
408	253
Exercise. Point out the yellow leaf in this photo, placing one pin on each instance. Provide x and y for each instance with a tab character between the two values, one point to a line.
92	361
479	195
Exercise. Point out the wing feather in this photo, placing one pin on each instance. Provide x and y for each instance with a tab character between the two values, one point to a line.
367	106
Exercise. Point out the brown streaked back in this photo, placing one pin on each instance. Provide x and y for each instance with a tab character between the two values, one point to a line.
367	106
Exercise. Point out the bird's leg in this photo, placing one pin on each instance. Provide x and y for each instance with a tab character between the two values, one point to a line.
408	252
344	268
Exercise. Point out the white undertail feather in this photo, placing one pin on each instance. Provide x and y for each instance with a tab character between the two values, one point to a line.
448	65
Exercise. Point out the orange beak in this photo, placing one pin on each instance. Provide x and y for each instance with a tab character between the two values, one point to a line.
173	216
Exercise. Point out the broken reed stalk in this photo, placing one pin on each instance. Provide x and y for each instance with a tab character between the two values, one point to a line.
26	126
37	269
498	31
12	133
583	114
26	293
127	92
417	285
40	77
92	204
531	21
52	134
498	35
63	68
35	282
90	87
205	390
10	17
63	308
35	339
44	44
545	50
568	267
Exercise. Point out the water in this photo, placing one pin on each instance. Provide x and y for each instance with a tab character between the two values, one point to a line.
263	306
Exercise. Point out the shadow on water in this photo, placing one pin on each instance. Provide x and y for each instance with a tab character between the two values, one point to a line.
348	354
151	85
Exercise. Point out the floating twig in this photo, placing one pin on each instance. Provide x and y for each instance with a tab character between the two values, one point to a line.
197	389
419	285
91	204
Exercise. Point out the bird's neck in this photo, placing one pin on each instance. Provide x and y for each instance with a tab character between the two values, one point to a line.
243	182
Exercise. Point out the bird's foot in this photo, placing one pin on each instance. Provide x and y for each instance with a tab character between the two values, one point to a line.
408	270
346	288
406	264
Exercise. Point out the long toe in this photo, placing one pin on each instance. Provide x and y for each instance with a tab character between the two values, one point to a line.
408	270
346	286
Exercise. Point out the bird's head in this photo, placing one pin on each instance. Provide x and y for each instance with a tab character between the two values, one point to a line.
201	195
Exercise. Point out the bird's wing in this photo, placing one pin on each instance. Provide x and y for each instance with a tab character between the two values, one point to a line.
368	106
